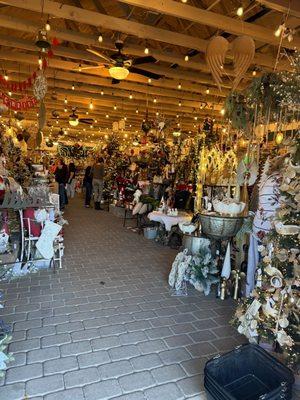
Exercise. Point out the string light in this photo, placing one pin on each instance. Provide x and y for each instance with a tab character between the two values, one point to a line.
87	113
240	11
66	101
179	86
9	93
100	38
40	61
195	118
79	68
186	58
207	91
115	107
154	100
254	72
73	87
146	51
48	26
137	111
6	77
179	103
102	93
222	112
130	96
106	116
91	106
184	1
279	30
65	110
149	81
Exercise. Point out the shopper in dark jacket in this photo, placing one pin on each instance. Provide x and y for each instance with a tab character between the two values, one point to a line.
61	177
88	184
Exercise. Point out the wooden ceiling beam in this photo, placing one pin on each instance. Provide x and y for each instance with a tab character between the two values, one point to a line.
209	18
61	10
103	21
291	7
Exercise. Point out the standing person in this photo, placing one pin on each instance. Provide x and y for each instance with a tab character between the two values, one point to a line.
71	181
88	184
61	177
98	181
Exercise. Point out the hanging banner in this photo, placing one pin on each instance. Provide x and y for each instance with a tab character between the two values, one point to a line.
16	105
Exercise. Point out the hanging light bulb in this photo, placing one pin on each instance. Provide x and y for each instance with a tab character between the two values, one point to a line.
48	26
66	101
79	68
9	93
157	113
184	1
106	116
279	30
222	112
207	91
91	106
115	107
100	38
40	61
179	86
149	80
73	87
65	110
195	118
6	77
146	51
87	113
279	138
130	96
102	93
186	58
254	72
240	11
179	103
154	100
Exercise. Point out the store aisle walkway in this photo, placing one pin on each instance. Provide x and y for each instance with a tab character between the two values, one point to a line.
105	326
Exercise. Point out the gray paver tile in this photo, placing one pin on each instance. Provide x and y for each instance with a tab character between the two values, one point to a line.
81	377
167	392
136	381
191	386
168	373
115	369
69	394
43	386
102	390
16	391
63	365
93	359
124	352
146	362
23	373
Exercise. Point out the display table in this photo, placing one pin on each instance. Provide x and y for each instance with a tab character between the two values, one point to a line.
169	220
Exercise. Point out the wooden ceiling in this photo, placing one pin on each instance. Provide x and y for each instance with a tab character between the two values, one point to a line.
170	29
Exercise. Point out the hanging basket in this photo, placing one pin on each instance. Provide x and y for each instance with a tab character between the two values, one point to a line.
220	227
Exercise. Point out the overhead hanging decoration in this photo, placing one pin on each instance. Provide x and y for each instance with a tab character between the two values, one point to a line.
243	50
16	105
40	86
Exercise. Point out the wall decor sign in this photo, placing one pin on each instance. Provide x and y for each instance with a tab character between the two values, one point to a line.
16	105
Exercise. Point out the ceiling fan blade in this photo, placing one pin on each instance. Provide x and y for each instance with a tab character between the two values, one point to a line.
91	67
143	60
96	53
115	81
148	74
88	121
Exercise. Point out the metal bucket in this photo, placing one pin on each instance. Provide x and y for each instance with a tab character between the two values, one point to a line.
150	232
220	227
193	243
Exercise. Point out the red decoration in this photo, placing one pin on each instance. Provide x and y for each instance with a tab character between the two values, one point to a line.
55	41
16	105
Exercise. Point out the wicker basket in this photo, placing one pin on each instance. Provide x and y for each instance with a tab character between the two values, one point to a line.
220	227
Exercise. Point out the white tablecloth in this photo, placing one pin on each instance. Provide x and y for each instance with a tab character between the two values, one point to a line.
169	220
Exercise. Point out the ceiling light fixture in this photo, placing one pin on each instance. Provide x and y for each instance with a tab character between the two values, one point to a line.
118	73
240	11
48	26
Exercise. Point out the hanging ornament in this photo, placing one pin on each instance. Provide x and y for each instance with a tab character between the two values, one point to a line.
42	40
40	86
39	138
279	138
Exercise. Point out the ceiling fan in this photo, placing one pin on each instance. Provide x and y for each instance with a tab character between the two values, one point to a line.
119	65
74	119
